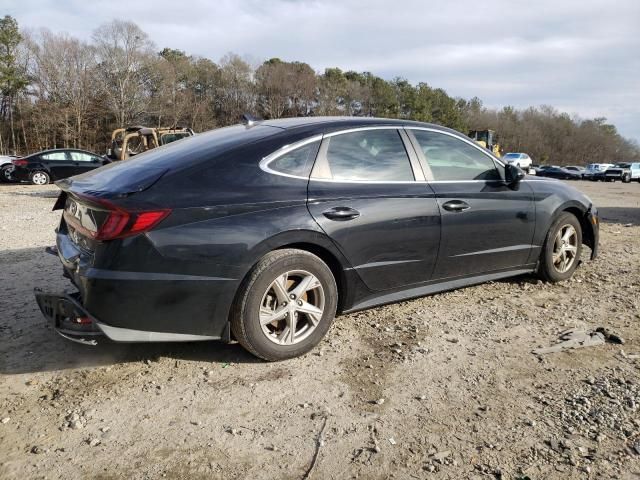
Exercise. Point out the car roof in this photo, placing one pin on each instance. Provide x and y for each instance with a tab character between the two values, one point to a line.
53	150
322	125
287	123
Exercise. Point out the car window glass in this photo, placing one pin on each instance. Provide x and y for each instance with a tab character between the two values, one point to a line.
54	156
297	162
376	155
453	159
81	157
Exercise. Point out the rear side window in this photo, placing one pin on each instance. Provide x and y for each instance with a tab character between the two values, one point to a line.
374	155
297	162
452	159
54	156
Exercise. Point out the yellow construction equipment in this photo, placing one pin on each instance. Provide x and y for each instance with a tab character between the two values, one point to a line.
487	139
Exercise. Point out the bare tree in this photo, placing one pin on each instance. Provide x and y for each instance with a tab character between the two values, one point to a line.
124	55
64	74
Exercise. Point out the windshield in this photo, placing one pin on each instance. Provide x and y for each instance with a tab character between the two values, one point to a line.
623	165
512	155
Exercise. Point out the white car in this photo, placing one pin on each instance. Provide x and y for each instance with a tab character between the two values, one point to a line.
6	167
521	160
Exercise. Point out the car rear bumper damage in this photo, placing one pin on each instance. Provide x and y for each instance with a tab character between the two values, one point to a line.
72	321
68	317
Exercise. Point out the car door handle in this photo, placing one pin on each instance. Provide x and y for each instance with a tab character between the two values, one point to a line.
341	213
456	206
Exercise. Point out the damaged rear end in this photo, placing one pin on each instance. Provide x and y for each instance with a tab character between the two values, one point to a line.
95	222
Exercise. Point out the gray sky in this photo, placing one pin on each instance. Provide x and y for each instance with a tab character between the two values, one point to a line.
581	56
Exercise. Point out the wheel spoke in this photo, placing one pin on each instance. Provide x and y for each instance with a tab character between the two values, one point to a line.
312	312
565	261
269	316
571	248
309	282
283	337
568	234
279	286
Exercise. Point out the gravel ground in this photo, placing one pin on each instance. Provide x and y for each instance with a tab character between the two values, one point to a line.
440	387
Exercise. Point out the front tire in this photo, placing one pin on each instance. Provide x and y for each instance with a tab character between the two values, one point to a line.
285	306
626	178
561	250
6	172
39	178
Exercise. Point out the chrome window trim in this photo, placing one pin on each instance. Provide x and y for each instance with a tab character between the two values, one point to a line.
264	163
420	176
359	129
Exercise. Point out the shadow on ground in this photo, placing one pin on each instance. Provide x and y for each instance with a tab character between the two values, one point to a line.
619	215
29	344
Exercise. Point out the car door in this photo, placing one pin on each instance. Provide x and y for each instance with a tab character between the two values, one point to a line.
59	164
367	192
84	162
486	225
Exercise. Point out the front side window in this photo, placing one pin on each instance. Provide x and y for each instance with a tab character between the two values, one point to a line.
373	155
297	162
55	156
452	159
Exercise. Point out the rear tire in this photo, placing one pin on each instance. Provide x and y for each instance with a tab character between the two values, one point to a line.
295	289
39	178
561	250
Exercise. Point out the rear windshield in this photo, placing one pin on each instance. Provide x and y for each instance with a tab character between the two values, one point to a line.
138	173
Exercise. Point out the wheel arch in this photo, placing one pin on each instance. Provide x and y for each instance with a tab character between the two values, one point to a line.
588	229
313	242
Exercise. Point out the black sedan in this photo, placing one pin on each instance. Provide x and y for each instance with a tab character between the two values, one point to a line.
263	232
50	165
560	173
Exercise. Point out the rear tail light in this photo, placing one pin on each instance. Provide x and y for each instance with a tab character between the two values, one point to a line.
121	223
21	162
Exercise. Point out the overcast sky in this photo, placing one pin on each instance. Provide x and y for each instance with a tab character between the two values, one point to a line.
581	56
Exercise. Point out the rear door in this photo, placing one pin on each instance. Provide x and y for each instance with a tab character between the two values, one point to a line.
367	192
59	164
486	225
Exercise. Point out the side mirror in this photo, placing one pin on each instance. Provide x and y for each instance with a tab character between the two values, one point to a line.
512	174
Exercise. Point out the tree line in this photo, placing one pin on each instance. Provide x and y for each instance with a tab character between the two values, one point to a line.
60	91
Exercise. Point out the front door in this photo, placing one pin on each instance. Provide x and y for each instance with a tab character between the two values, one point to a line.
364	195
84	162
486	225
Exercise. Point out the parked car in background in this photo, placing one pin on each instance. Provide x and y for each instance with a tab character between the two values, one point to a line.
51	165
6	168
624	171
262	232
560	173
521	160
595	171
577	169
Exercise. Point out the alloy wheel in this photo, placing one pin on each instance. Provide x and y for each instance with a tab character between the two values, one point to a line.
292	307
565	248
39	178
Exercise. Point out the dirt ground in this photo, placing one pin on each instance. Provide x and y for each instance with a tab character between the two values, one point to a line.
439	387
